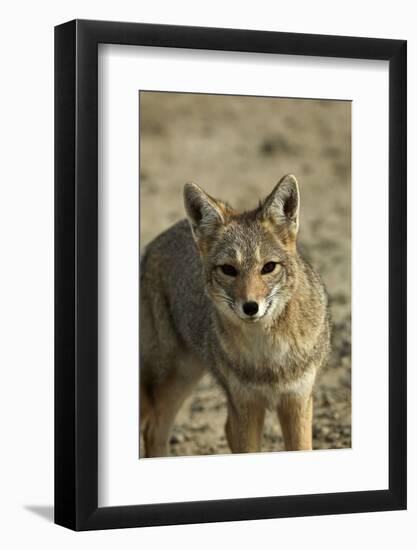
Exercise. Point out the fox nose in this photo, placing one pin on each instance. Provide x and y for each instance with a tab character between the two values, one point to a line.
250	308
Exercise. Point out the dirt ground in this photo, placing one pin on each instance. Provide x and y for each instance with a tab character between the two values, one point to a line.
237	148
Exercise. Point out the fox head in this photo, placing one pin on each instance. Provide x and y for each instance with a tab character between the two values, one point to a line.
249	259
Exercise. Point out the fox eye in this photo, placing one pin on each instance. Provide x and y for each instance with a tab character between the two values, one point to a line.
268	268
229	270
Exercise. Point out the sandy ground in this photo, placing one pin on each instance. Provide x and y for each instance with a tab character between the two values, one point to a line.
237	148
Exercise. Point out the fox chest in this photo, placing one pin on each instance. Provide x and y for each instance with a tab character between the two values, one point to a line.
260	351
265	367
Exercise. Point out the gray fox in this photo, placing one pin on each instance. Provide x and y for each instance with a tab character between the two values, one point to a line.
229	293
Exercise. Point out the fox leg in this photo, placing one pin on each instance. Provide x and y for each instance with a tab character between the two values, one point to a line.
244	427
295	413
161	404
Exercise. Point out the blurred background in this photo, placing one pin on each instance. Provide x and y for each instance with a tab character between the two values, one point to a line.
237	148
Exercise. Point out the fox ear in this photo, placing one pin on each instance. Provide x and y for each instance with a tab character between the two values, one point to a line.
204	213
283	204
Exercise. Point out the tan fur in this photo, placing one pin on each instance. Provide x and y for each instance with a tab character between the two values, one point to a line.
244	427
295	413
193	319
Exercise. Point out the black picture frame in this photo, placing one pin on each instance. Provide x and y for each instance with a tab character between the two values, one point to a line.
76	272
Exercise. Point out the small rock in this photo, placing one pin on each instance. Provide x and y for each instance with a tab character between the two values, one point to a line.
278	144
328	399
331	437
177	438
325	430
200	427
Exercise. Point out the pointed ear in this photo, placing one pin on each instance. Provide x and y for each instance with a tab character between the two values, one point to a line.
204	213
282	206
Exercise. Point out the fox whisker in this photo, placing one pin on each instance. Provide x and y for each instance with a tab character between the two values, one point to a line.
224	298
273	293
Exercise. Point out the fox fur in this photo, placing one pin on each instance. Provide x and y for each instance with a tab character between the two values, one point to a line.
229	293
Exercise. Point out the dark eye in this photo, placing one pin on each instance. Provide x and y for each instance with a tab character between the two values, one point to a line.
229	270
268	268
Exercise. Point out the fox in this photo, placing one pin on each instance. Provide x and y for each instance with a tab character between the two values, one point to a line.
229	293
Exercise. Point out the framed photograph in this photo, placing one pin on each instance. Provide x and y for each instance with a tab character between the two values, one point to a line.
230	253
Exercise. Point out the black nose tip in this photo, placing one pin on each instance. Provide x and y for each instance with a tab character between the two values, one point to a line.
250	308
